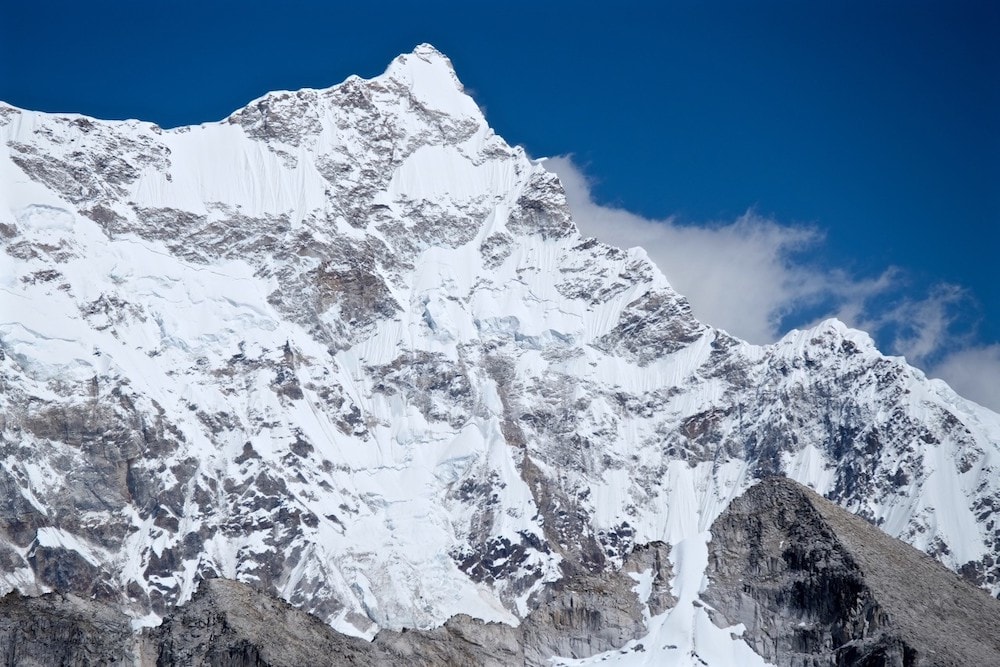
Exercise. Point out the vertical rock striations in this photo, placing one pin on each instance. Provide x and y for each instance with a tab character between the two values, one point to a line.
67	630
815	586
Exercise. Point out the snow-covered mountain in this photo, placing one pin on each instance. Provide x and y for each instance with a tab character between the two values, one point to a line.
348	346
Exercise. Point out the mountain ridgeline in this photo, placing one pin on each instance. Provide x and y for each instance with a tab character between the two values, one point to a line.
341	367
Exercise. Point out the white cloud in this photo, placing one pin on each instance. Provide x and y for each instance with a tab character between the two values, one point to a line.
736	276
751	275
922	329
973	372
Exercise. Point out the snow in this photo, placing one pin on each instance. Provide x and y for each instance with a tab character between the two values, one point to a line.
810	466
432	81
60	539
432	172
685	635
187	323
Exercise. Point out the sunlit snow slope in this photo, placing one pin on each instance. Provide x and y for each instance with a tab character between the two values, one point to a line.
348	345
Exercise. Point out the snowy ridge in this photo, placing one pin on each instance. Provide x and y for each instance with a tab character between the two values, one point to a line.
348	345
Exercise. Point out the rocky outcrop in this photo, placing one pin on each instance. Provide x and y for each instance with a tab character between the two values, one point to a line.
815	585
231	624
57	629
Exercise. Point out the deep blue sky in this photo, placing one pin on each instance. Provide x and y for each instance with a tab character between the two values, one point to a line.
878	122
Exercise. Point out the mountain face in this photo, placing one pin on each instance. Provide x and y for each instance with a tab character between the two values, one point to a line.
811	585
348	347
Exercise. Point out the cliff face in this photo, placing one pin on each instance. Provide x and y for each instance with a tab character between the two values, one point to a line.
230	624
815	585
58	629
811	584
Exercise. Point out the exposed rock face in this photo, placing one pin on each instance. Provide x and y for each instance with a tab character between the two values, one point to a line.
230	624
57	629
815	586
587	614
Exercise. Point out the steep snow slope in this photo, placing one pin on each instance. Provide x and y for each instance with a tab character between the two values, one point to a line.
348	345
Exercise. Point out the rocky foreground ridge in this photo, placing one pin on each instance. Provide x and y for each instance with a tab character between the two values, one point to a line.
813	584
347	347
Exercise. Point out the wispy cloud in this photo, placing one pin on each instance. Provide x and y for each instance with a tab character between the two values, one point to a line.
755	278
923	329
974	372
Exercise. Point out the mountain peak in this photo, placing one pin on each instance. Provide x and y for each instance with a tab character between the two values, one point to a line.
425	73
431	78
350	335
839	567
429	52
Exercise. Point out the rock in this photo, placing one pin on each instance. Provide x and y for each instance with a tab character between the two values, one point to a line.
230	624
585	615
57	629
816	585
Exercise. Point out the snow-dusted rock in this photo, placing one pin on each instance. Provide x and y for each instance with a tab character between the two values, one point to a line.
347	345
